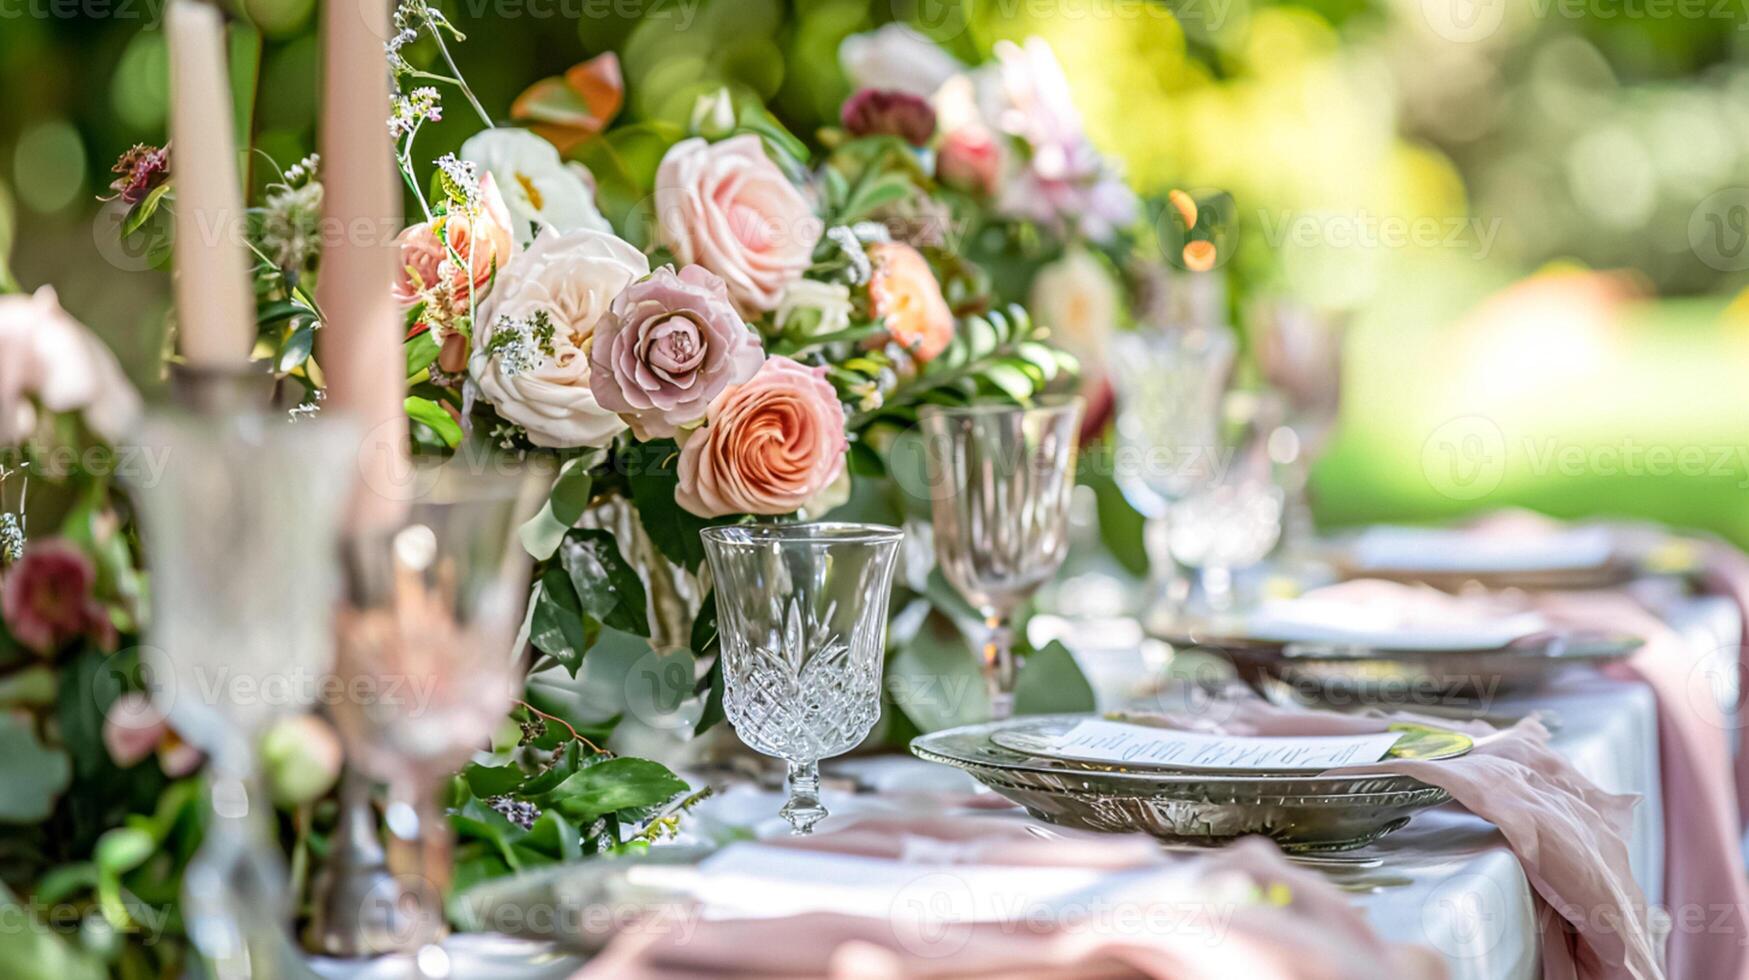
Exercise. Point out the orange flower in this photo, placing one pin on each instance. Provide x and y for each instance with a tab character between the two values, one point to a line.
904	295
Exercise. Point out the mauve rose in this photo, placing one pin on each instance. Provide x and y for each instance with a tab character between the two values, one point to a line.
886	112
46	598
768	445
667	346
727	207
568	279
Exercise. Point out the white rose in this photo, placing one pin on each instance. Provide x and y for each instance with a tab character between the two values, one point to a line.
896	57
824	307
1078	300
538	187
544	387
47	358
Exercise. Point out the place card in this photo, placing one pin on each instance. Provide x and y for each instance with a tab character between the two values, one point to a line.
1096	740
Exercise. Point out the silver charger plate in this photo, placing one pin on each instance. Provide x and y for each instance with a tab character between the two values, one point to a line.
1418	742
1329	811
1348	673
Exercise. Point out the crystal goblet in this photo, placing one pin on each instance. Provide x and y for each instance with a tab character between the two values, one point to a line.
1000	479
240	527
1170	386
1299	352
802	617
428	665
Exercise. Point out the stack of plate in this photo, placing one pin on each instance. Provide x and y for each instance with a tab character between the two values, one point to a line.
1301	811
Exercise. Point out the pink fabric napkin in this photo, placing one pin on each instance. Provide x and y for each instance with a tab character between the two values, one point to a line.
1726	572
1303	929
1570	836
1705	889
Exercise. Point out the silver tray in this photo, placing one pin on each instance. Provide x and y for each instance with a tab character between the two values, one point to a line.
1324	812
1345	674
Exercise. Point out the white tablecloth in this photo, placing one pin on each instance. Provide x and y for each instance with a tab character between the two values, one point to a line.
1447	880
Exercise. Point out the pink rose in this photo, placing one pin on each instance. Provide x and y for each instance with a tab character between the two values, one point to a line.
970	158
482	242
52	362
46	598
727	207
668	345
767	446
904	296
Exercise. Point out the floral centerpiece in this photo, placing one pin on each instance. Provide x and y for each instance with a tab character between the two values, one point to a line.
743	330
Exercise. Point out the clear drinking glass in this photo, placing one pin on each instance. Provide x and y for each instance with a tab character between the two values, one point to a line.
428	663
802	616
1000	479
1170	385
240	530
1233	519
1299	351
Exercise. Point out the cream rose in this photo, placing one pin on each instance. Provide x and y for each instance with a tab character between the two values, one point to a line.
727	207
532	338
539	189
768	446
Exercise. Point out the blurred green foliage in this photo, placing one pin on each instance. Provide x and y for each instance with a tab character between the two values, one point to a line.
1591	132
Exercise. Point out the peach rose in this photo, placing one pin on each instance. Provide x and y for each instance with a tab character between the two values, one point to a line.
727	207
768	445
482	243
903	293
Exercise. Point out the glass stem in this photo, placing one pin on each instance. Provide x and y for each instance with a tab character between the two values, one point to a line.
1217	587
1168	586
1000	672
418	856
804	808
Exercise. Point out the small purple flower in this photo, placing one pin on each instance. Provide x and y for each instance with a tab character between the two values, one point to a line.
888	112
142	168
669	345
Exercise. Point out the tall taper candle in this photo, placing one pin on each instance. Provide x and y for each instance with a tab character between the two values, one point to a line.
360	340
215	305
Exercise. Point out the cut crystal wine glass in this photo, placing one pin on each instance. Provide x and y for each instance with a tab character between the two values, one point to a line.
1000	479
802	617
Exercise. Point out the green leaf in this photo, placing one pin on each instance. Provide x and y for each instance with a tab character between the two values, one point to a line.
487	781
1122	529
422	351
713	702
614	785
1009	380
754	118
1050	682
650	472
570	496
542	533
143	211
609	589
558	629
557	837
31	774
981	338
32	951
295	349
1041	357
123	849
429	413
935	679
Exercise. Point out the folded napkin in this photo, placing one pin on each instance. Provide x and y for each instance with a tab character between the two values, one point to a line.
1725	571
990	897
1570	836
1705	890
1392	616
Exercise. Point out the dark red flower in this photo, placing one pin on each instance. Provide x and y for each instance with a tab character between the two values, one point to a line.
886	112
142	168
46	598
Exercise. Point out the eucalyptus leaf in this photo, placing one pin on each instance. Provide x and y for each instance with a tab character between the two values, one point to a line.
1051	682
570	495
32	775
935	679
542	533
